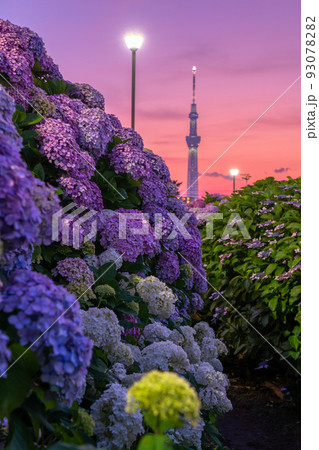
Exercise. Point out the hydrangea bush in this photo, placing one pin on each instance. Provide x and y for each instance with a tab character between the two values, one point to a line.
253	260
85	310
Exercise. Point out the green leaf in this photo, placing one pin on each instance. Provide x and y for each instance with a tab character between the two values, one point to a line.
15	388
29	134
294	342
38	171
270	269
31	119
19	435
154	442
273	303
295	291
19	116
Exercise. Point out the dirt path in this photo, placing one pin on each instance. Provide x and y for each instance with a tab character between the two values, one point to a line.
260	418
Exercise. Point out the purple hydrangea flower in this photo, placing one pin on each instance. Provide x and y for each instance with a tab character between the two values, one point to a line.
127	159
119	232
167	268
154	193
48	204
75	270
47	316
83	192
197	303
135	139
96	131
199	280
219	312
134	331
258	276
255	243
67	110
159	168
19	217
18	258
90	96
115	122
165	229
57	143
5	353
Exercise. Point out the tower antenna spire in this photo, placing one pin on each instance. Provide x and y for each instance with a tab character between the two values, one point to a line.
194	78
193	141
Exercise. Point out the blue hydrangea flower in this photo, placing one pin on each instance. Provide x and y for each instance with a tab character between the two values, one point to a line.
47	317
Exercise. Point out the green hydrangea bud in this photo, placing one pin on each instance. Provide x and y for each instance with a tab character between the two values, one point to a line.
104	290
81	290
186	271
85	422
88	248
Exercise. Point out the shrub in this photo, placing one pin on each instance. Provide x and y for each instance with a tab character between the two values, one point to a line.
259	274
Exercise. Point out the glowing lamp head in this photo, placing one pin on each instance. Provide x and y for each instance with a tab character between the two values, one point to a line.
234	172
133	41
194	70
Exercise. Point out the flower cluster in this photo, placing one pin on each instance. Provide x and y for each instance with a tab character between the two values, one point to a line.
133	138
160	299
75	270
5	354
58	144
90	96
84	192
127	159
33	304
20	219
167	268
166	397
114	427
129	233
48	204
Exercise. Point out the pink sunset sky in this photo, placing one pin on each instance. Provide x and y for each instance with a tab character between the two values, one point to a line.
246	53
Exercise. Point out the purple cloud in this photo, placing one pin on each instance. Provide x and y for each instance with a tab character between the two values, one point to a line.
217	174
282	169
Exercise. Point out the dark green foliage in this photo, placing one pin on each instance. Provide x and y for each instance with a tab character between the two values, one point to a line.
270	304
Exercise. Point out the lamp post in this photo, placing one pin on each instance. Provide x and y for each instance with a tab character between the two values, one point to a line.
133	42
234	173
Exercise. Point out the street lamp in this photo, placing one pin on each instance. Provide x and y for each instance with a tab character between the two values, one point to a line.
133	42
234	173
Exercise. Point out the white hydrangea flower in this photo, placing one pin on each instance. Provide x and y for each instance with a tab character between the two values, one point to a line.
131	379
209	350
203	330
205	374
114	427
136	352
160	299
111	255
102	326
164	356
92	260
129	284
117	371
217	364
176	337
155	332
121	354
188	435
191	347
221	347
215	398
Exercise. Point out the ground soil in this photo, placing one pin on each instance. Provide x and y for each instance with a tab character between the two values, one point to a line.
262	417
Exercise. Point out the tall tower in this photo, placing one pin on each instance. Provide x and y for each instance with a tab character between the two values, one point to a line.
193	141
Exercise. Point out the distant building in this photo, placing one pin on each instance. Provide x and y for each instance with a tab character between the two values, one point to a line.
193	141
